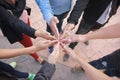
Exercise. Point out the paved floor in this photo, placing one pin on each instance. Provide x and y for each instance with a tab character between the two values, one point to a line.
95	50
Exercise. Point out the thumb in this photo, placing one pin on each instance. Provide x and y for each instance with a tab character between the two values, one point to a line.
56	20
53	42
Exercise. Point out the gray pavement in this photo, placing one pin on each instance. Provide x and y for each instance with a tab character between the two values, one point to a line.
95	50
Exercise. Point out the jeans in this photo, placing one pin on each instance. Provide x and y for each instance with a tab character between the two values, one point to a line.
109	63
10	70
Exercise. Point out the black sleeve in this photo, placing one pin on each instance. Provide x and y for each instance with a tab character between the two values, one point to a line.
15	23
77	11
19	7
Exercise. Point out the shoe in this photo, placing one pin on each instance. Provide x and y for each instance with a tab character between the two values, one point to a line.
51	49
31	76
65	57
86	43
46	72
77	69
39	60
13	64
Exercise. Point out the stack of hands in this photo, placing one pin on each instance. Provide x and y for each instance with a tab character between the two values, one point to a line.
59	38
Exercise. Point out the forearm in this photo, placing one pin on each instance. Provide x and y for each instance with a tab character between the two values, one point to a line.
109	32
55	30
8	53
92	72
22	27
77	11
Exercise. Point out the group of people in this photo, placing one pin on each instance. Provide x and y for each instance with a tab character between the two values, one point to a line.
15	25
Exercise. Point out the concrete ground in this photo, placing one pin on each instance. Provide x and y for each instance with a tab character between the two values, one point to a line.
95	50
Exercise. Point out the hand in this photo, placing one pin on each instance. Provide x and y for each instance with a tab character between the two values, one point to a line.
44	44
54	21
69	51
74	38
67	30
69	27
44	34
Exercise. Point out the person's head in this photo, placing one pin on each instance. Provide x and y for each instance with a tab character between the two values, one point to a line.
11	1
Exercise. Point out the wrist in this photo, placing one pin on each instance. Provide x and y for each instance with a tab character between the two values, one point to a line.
82	38
86	37
71	22
75	38
33	49
71	26
35	33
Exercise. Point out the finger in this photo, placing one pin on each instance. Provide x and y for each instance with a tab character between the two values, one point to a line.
48	36
64	51
63	35
67	49
52	37
56	19
56	32
52	42
63	45
66	41
71	27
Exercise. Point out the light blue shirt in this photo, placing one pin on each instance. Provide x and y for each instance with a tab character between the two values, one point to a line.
49	8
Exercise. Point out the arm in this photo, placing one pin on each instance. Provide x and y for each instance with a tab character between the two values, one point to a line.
7	53
20	26
75	15
17	11
48	15
109	32
77	11
15	23
53	57
46	9
91	72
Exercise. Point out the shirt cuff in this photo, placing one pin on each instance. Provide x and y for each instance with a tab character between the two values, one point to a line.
48	18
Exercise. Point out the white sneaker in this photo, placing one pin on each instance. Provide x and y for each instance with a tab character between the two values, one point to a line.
13	64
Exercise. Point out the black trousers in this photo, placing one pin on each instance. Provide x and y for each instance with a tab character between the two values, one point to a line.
110	63
11	71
